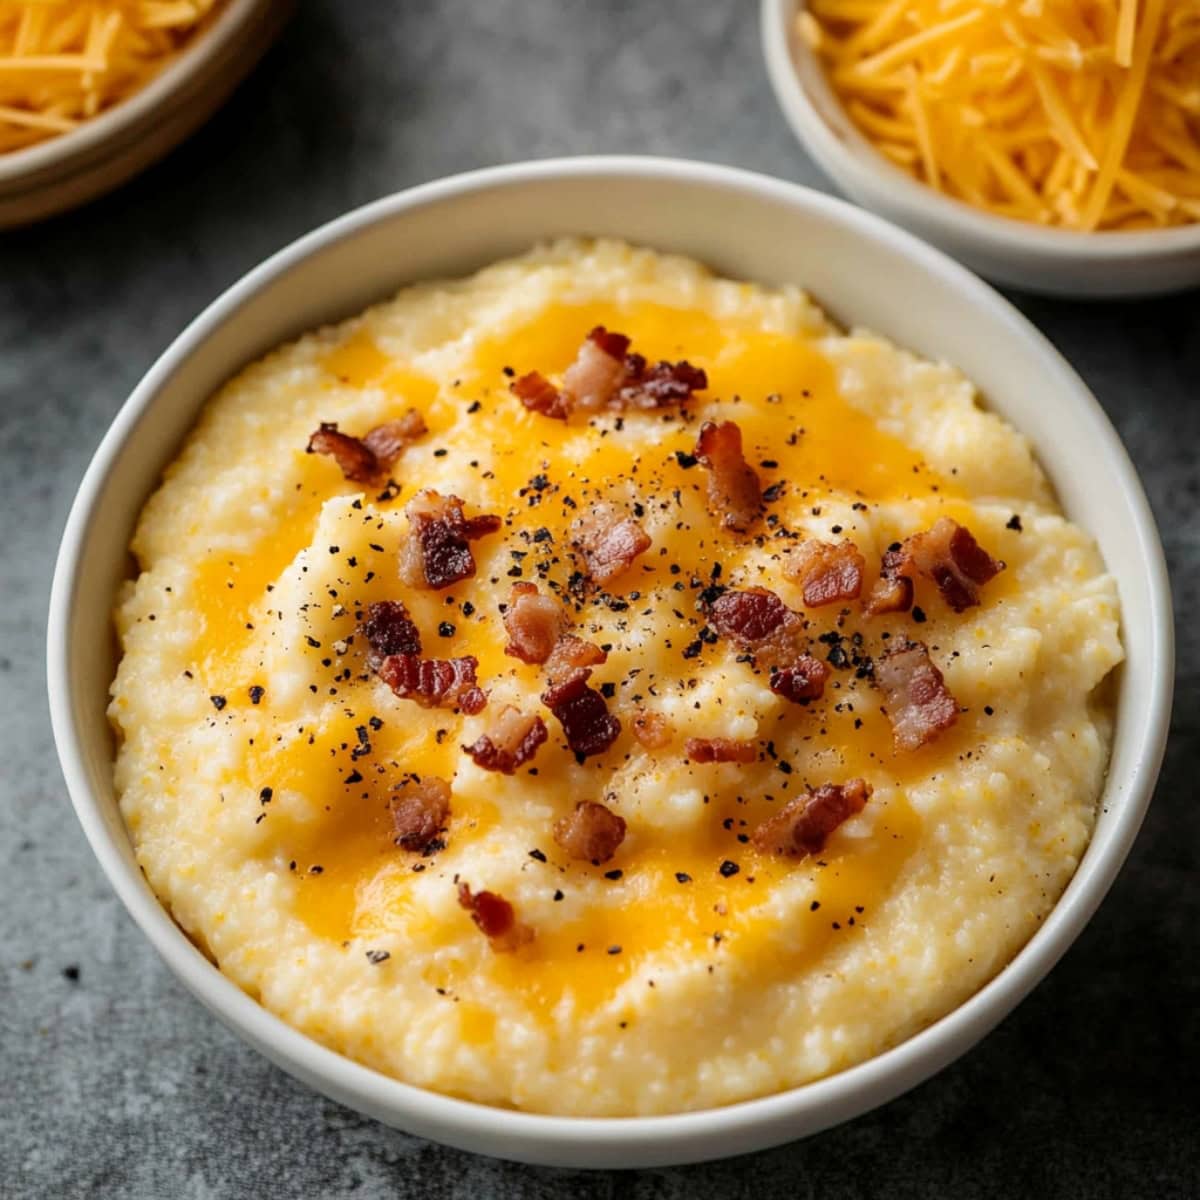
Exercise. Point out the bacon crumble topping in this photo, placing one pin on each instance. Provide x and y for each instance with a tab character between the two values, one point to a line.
734	490
757	620
608	541
592	832
389	630
916	698
364	459
893	590
605	375
495	919
510	741
534	623
437	552
802	681
420	809
719	750
804	824
434	682
826	573
583	713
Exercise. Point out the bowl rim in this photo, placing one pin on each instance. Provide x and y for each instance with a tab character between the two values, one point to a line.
638	1140
857	159
92	136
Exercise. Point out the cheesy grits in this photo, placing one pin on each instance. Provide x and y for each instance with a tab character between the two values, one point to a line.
601	688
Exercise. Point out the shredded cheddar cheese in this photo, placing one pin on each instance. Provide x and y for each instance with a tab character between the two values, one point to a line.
62	63
1083	114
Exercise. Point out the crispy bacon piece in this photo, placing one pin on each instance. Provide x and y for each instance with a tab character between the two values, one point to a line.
494	917
366	458
583	713
826	573
734	491
605	375
510	741
802	826
918	703
389	630
420	809
534	623
592	832
652	729
437	551
719	749
801	681
756	619
357	460
598	371
950	556
434	682
539	395
608	541
893	590
570	654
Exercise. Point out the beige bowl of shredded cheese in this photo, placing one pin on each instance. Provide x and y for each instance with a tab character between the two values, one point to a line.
92	93
1049	144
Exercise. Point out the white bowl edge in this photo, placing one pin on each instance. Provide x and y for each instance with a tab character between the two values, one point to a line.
568	187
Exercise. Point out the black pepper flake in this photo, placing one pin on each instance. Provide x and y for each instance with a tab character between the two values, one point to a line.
355	776
614	950
1014	523
537	854
71	973
814	906
608	690
558	894
468	609
474	406
614	874
685	460
375	723
987	708
683	877
693	648
918	614
218	702
264	796
257	693
375	957
728	869
446	629
312	641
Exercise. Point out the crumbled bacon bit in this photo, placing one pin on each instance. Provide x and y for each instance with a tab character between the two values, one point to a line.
802	826
893	590
510	741
589	727
756	619
605	375
534	623
494	917
437	551
592	832
734	491
598	371
950	556
608	541
719	749
389	630
801	681
420	809
652	729
571	653
365	459
434	682
826	573
357	460
918	703
539	395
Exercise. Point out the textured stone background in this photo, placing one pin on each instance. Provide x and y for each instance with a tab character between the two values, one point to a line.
113	1082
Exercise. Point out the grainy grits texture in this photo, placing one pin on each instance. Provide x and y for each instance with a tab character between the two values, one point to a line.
258	751
118	1084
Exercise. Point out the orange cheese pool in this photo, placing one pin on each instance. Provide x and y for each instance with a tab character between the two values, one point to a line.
505	739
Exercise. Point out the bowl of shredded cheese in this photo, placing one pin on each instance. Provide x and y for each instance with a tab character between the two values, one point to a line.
1050	144
92	93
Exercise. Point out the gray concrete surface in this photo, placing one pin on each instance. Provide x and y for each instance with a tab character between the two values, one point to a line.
113	1081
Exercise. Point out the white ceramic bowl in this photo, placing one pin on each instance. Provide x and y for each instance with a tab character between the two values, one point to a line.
1055	261
746	226
68	170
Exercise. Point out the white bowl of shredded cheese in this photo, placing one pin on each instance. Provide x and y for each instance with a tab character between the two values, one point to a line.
92	94
1059	159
